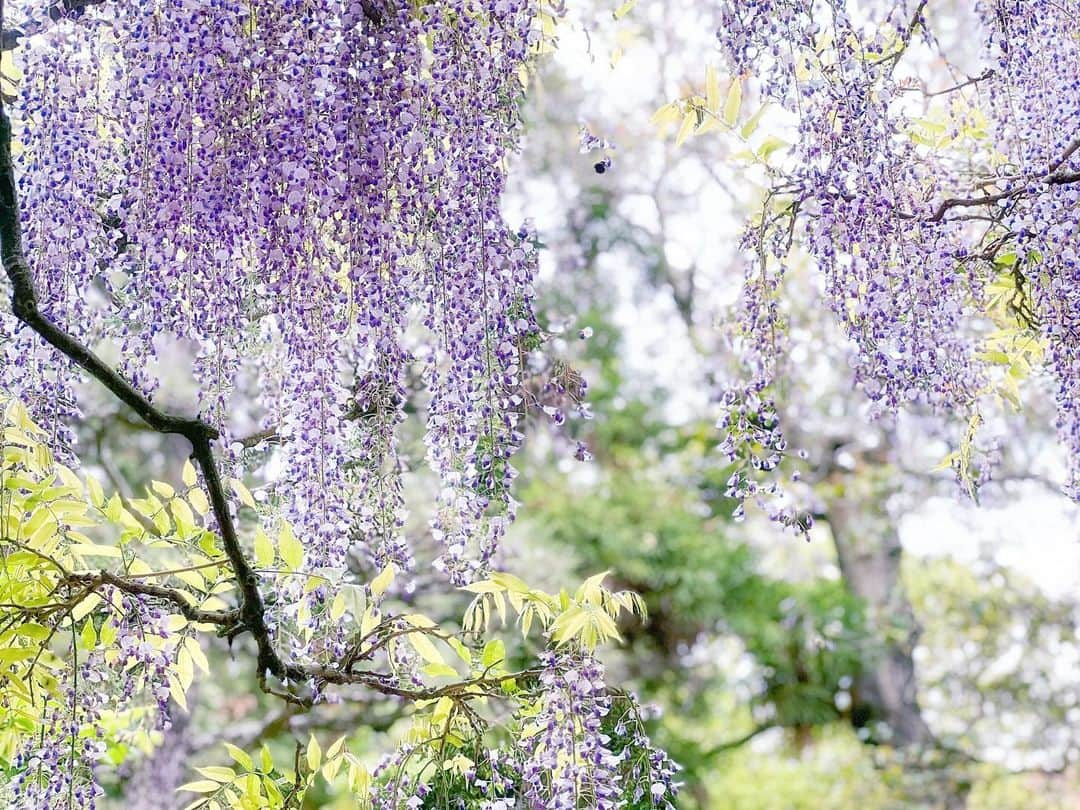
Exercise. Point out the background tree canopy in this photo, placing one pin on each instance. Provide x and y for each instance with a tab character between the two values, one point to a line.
422	404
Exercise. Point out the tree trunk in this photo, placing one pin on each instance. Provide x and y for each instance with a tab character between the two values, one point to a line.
884	698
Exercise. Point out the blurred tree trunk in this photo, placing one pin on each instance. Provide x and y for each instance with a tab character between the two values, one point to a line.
153	784
885	701
869	552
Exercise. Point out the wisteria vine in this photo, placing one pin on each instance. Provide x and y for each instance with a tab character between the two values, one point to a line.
304	195
909	232
288	187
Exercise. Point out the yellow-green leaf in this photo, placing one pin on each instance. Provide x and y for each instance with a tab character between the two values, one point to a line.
88	636
198	657
114	510
185	669
291	550
666	115
162	489
185	520
712	89
192	578
461	650
382	582
733	103
13	654
264	549
314	754
359	778
217	773
770	145
439	670
483	586
336	746
427	650
688	123
337	607
202	786
187	475
418	620
240	756
176	690
369	621
97	496
494	654
273	793
331	768
198	501
591	588
443	707
242	492
750	127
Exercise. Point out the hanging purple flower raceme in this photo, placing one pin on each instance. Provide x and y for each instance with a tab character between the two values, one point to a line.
478	289
892	274
578	745
854	194
646	771
57	768
752	433
1033	48
298	184
68	195
567	762
182	99
322	172
381	141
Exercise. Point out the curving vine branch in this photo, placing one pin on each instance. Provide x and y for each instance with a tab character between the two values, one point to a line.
200	434
250	616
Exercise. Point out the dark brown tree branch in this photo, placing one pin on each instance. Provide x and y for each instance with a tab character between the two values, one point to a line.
200	434
223	618
915	21
1054	177
986	74
1068	153
484	686
738	742
268	435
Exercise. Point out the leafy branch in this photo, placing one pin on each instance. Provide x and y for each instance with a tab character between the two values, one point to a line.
1054	177
199	433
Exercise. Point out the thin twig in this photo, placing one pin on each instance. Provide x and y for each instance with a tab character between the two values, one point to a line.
223	618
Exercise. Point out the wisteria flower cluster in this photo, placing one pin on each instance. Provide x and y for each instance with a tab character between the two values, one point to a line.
291	189
582	745
587	748
305	196
565	764
1034	48
58	767
907	235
